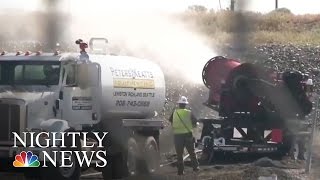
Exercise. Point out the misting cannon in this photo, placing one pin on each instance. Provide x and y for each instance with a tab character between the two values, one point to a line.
257	106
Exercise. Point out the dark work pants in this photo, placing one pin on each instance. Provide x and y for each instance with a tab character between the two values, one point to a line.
182	141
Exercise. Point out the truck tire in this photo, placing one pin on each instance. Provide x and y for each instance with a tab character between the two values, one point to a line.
151	155
73	173
123	164
132	154
32	174
107	170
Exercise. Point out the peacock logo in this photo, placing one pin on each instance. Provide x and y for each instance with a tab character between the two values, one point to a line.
26	159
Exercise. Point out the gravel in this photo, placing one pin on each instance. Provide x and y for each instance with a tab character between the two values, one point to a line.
304	58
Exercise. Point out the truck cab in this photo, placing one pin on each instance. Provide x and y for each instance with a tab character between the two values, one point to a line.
48	92
36	88
83	92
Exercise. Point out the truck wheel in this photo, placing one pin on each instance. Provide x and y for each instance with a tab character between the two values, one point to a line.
207	154
72	173
32	174
107	171
123	164
151	154
53	173
133	153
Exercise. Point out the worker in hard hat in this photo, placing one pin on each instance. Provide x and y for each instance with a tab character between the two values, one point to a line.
183	122
309	86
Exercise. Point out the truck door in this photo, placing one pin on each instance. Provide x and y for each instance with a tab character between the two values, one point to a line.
81	94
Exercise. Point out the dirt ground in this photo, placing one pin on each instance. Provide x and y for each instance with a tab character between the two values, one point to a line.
315	171
249	169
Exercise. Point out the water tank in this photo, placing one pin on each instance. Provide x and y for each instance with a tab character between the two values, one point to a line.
131	87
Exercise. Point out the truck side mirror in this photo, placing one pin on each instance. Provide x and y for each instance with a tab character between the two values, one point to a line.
88	75
57	104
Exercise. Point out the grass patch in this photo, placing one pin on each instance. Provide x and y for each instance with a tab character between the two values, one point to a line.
274	27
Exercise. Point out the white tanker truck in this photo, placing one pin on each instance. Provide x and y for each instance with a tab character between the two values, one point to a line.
52	92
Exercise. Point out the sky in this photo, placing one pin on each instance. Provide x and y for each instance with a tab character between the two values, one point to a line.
153	35
81	6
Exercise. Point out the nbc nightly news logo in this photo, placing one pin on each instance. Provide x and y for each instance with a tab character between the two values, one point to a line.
52	141
26	159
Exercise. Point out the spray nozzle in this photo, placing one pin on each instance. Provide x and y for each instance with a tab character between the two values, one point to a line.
82	45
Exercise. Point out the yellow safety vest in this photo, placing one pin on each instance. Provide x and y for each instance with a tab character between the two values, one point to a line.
177	125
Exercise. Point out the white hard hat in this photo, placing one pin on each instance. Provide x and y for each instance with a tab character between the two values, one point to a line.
183	100
309	82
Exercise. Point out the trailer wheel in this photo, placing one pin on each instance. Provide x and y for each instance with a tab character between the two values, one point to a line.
298	152
72	173
151	154
207	153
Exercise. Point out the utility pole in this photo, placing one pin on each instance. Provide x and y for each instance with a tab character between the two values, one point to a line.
232	5
276	4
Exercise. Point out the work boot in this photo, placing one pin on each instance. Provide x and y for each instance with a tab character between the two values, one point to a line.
197	169
180	173
301	157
